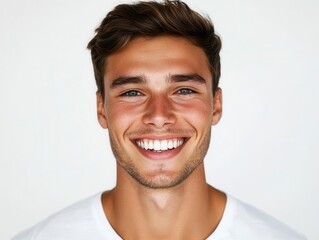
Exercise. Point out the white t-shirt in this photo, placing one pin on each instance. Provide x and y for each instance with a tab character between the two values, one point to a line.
85	220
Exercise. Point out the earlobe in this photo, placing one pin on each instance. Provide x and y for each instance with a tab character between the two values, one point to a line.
217	106
101	116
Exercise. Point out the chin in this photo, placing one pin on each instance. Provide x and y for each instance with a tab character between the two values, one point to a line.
160	179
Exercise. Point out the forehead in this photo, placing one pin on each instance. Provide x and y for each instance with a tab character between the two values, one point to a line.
157	55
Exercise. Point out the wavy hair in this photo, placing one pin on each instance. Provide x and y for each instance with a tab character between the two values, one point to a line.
150	19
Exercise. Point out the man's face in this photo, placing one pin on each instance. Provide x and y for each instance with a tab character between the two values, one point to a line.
159	108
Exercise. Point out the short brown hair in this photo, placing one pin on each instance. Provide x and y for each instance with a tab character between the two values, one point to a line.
150	19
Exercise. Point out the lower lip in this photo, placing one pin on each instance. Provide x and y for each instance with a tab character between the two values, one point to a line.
157	156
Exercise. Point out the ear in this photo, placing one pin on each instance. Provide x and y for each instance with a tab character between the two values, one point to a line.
101	116
217	107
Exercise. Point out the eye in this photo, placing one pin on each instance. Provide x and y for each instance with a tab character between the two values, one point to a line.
185	91
132	93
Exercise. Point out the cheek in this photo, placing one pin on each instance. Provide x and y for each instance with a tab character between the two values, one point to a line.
120	116
198	114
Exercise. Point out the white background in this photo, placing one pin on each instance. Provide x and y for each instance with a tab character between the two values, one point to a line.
264	151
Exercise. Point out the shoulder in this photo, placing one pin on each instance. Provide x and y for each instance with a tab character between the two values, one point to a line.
250	223
75	218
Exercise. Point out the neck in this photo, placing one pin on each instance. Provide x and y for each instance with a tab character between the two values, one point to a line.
191	210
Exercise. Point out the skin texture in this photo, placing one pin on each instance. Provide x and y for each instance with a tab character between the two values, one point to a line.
160	89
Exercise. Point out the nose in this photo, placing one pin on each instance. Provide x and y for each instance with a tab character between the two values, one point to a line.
159	112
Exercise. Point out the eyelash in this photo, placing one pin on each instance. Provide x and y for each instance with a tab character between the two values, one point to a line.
185	91
132	93
135	93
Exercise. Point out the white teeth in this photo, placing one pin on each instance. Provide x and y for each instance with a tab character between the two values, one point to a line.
170	144
150	145
159	145
164	145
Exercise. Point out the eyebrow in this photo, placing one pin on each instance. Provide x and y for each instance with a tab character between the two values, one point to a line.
127	80
124	80
186	77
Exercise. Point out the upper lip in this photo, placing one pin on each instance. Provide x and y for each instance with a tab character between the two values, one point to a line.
165	135
158	138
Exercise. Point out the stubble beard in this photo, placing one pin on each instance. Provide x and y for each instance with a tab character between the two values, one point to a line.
161	180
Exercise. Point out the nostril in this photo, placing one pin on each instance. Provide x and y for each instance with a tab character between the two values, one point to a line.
159	112
159	120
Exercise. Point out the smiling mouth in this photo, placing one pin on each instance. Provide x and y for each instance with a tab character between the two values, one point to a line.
160	145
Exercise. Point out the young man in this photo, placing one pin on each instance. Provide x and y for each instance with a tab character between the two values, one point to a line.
157	69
